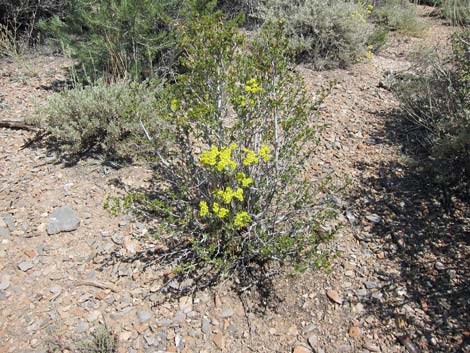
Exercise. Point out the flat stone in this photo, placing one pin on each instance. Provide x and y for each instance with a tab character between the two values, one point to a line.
63	219
301	349
25	265
218	340
371	347
4	284
205	325
227	313
334	296
374	218
370	285
9	220
144	316
4	233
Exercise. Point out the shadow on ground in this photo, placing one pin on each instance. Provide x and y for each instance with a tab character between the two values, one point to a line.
428	239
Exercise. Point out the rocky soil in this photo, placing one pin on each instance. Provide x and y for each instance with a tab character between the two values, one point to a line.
398	280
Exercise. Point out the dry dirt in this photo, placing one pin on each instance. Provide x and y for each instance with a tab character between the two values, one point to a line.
399	270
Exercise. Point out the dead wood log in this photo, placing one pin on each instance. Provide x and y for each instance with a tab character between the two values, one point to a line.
19	125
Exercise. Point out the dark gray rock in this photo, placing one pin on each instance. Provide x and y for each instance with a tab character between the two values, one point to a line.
63	219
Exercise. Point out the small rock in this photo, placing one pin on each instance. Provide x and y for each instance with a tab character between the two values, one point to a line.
313	342
9	221
205	325
227	313
218	340
82	327
334	296
4	232
63	219
25	265
144	316
301	349
4	284
371	347
439	266
354	331
118	238
179	317
370	285
374	218
55	289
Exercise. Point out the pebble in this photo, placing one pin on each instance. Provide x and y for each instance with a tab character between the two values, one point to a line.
370	285
205	325
25	265
144	316
8	219
4	284
301	349
218	340
63	219
82	327
4	233
371	347
313	342
374	218
439	266
334	296
227	313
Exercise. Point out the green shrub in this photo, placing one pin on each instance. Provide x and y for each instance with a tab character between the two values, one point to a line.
458	11
436	98
115	38
399	15
326	33
98	118
232	190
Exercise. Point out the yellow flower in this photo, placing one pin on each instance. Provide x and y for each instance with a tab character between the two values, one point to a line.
225	158
243	179
238	194
221	212
241	219
203	209
174	104
264	153
209	157
250	157
253	86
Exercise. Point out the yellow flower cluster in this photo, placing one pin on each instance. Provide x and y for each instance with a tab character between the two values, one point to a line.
369	9
228	195
203	209
220	212
250	157
220	159
243	179
241	219
253	86
264	153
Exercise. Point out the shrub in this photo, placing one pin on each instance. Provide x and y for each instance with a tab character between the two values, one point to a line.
399	15
436	99
328	34
232	190
458	11
18	19
99	118
117	38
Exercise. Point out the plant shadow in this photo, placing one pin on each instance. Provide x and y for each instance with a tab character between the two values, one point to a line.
426	229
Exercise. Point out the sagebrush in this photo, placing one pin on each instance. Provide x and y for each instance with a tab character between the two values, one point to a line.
327	34
100	118
435	96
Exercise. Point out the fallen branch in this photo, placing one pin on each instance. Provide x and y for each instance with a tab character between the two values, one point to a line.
19	125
